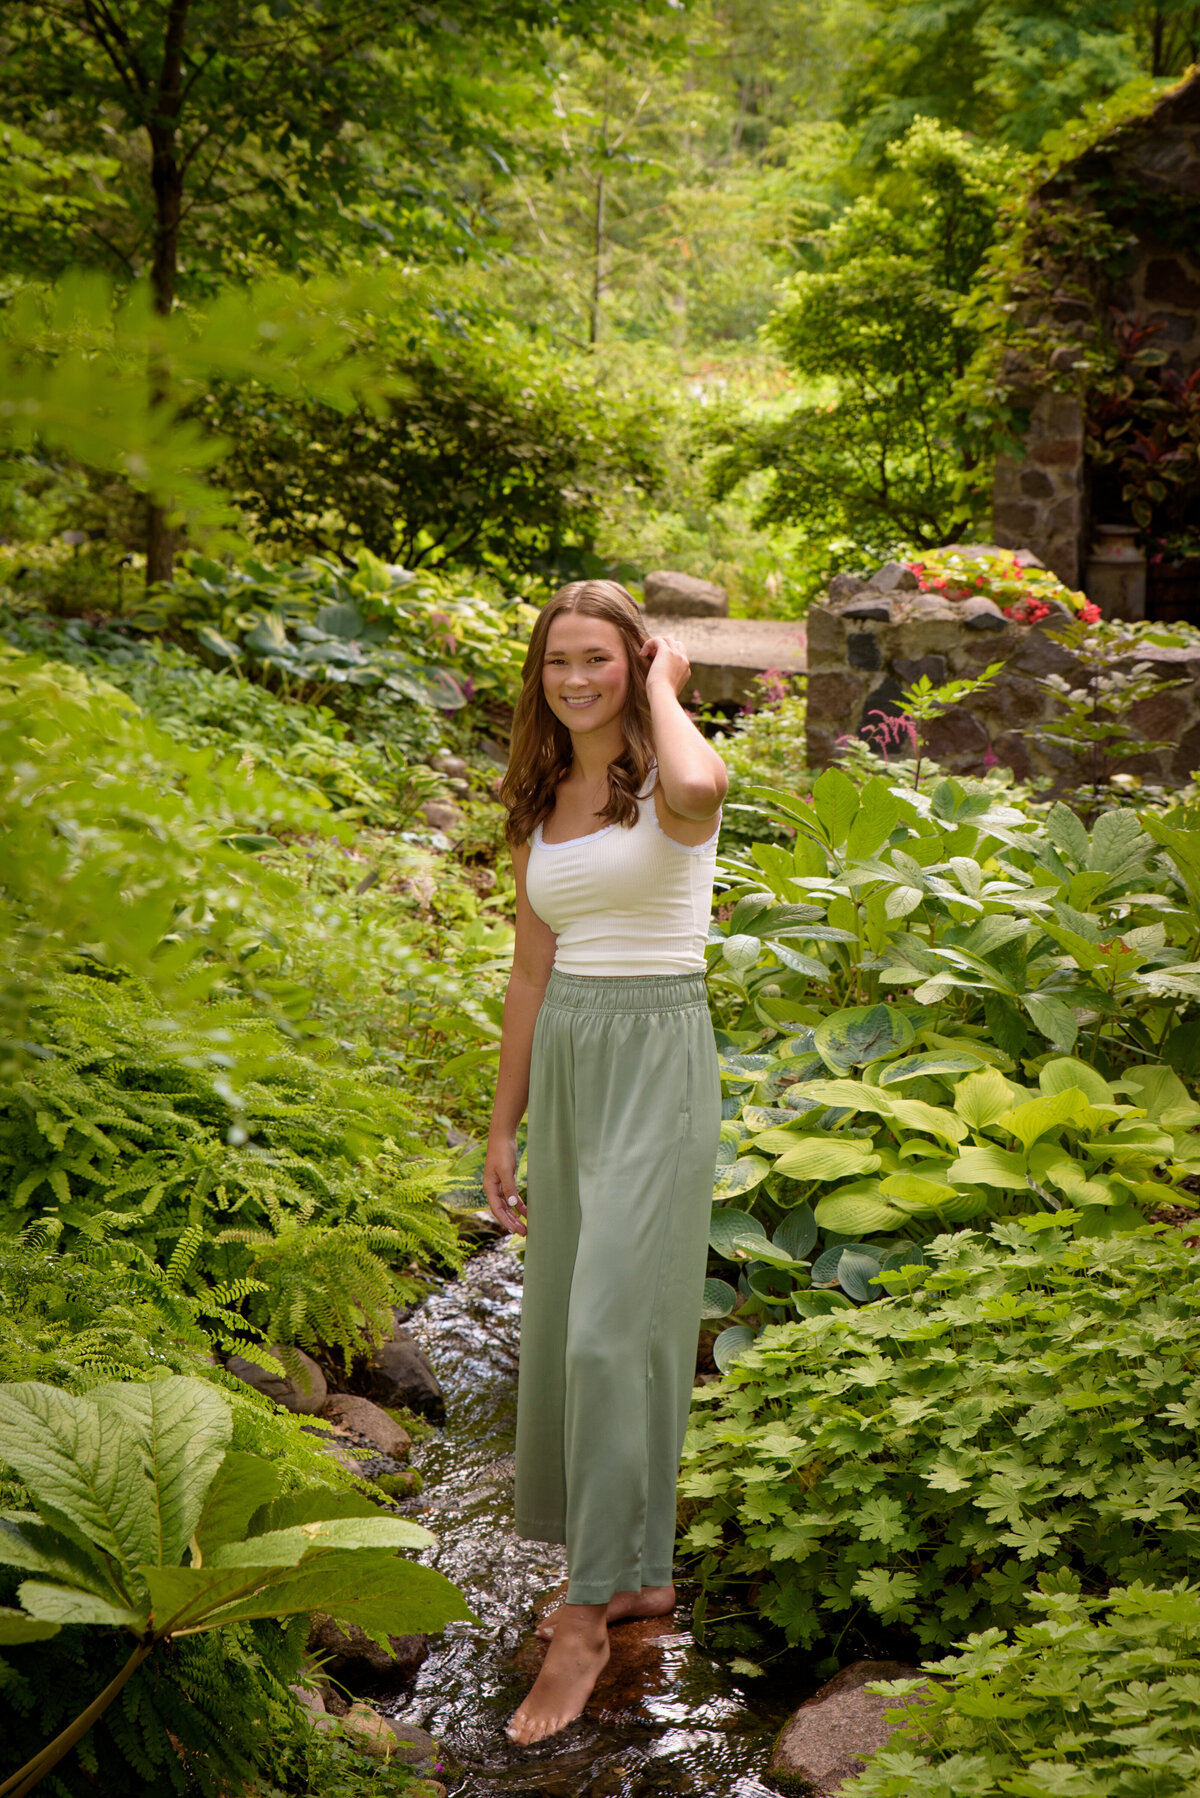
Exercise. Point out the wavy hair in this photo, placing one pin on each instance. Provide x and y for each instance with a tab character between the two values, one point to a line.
541	752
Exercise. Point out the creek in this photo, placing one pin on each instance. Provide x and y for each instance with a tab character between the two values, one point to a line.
680	1723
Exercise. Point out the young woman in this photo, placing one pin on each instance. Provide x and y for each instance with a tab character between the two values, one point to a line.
614	804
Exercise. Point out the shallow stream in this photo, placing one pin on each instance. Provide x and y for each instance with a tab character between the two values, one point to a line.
681	1723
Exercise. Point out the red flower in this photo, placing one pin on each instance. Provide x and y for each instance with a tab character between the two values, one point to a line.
1089	613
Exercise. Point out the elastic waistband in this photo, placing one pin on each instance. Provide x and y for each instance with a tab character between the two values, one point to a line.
625	992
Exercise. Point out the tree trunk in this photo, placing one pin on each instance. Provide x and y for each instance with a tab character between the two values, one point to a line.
166	178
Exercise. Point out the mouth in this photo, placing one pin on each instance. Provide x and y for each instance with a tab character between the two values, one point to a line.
584	700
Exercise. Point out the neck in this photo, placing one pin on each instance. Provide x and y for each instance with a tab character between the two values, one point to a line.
594	751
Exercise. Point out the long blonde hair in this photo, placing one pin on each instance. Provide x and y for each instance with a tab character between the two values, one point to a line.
541	752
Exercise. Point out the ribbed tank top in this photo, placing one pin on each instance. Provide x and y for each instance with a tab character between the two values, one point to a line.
627	899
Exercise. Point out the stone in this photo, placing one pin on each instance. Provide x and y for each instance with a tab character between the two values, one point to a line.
1013	699
980	614
894	577
1040	654
845	586
639	1666
397	1373
875	611
1036	485
833	697
827	635
910	669
672	595
415	1746
1160	715
928	608
441	815
1012	751
728	654
350	1657
309	1699
450	764
955	734
827	1741
304	1395
369	1420
862	651
1187	756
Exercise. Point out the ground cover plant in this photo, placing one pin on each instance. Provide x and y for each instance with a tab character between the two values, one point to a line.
1025	1413
936	1007
1092	1695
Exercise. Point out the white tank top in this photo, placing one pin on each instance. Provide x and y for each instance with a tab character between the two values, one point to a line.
627	899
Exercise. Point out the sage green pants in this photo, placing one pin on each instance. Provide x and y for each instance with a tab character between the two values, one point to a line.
624	1117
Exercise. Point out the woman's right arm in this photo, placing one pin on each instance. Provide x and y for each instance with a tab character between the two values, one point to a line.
533	958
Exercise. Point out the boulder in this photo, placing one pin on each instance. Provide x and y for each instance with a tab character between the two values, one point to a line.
894	577
350	1657
643	1661
450	764
309	1699
827	1741
980	614
305	1394
413	1745
674	595
398	1374
441	815
875	609
845	586
345	1411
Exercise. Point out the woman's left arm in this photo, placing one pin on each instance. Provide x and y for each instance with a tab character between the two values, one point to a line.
691	773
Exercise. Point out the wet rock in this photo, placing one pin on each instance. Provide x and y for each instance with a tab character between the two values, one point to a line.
398	1374
414	1746
980	614
309	1698
894	577
440	814
369	1421
828	1739
642	1660
845	586
350	1657
672	595
304	1394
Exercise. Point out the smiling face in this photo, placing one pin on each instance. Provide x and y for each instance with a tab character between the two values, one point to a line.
585	672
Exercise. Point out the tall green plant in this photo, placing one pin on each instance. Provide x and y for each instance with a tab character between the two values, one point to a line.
147	1522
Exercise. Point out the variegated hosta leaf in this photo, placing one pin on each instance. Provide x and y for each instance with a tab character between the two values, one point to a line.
739	1177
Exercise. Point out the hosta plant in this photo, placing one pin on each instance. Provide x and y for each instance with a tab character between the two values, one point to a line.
1028	1411
146	1521
1094	1697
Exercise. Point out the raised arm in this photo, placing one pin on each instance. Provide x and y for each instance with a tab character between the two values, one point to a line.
533	958
692	774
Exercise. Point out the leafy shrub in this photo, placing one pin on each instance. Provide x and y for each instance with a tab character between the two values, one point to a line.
1096	1697
146	1522
1028	1412
898	994
1026	593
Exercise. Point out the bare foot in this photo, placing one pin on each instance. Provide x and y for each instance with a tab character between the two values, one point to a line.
651	1601
574	1662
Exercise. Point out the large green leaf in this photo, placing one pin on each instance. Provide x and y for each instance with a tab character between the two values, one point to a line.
797	1234
836	803
856	1216
740	1176
63	1604
734	1233
935	1120
913	1067
286	1548
379	1590
981	1098
827	1158
732	1344
1055	1020
988	1167
1065	1071
1038	1117
916	1194
855	1273
17	1627
244	1484
1162	1094
874	822
849	1039
310	1505
183	1426
80	1464
720	1298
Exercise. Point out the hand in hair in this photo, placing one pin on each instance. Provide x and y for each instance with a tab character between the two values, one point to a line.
669	664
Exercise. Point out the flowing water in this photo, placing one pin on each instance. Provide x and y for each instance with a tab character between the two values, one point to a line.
682	1724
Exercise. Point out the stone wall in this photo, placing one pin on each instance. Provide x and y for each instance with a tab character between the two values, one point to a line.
873	639
1145	177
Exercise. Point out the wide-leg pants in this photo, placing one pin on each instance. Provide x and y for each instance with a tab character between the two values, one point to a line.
624	1118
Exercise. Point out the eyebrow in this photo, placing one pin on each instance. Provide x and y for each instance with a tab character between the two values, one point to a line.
594	649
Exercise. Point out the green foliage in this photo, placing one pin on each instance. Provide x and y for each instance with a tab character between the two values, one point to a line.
934	1008
489	453
147	1522
885	450
1026	1412
321	631
1094	1696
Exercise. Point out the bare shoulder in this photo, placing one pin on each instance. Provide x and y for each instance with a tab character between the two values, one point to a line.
691	833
